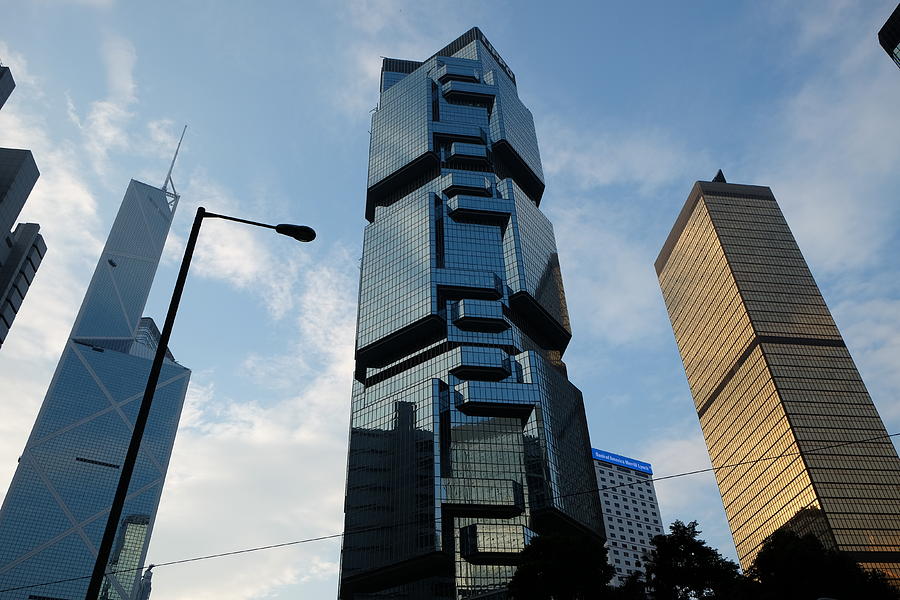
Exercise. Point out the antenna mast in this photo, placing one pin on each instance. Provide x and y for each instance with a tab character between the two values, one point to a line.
165	186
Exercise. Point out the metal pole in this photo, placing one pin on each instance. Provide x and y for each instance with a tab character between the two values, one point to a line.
210	215
115	511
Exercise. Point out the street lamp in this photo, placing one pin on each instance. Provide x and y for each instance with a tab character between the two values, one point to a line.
301	233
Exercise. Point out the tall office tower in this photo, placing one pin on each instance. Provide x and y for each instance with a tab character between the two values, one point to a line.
55	511
889	36
772	377
466	436
22	248
630	510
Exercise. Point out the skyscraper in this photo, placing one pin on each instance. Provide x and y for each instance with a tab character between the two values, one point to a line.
889	36
772	377
466	436
55	511
21	249
630	511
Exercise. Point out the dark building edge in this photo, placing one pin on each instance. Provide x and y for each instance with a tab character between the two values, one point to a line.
889	35
7	84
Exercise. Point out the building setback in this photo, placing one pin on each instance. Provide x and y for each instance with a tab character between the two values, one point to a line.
630	511
55	511
889	36
21	248
772	377
466	436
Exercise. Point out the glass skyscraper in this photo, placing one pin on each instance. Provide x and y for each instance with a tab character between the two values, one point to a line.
772	377
55	511
466	437
21	249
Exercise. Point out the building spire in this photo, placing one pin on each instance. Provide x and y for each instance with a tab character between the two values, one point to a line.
165	186
720	177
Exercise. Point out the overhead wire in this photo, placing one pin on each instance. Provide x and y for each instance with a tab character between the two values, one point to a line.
396	525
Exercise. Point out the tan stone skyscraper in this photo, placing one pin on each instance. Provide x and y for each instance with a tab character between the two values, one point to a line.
771	376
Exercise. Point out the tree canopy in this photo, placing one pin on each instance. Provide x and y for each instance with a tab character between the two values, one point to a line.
562	567
793	567
682	567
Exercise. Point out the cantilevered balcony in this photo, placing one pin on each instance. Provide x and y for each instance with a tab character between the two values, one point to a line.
468	152
493	543
487	211
447	73
464	183
464	90
470	497
479	315
454	284
481	363
496	399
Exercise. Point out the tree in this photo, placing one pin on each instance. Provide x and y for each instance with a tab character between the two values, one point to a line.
791	567
562	567
633	588
681	567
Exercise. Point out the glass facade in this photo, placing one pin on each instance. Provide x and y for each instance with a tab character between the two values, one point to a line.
630	511
55	512
22	248
771	376
466	436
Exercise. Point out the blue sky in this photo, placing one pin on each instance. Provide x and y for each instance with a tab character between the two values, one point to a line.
633	102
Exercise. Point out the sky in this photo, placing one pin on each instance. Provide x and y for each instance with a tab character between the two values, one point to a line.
633	102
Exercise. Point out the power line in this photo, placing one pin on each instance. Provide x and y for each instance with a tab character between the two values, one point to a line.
753	461
379	527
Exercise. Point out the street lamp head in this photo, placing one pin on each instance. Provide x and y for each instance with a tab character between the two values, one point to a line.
301	233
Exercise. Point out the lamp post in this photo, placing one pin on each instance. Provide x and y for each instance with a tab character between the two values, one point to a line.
301	233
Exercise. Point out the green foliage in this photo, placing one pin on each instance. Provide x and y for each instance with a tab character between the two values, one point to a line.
562	567
791	567
682	567
633	588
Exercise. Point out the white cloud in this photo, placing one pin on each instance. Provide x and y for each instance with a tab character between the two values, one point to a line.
18	66
816	23
831	150
690	497
675	452
247	472
584	158
610	282
162	138
235	253
392	28
599	180
105	127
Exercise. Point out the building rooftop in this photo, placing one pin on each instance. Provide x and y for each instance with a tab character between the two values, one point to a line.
398	65
621	461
